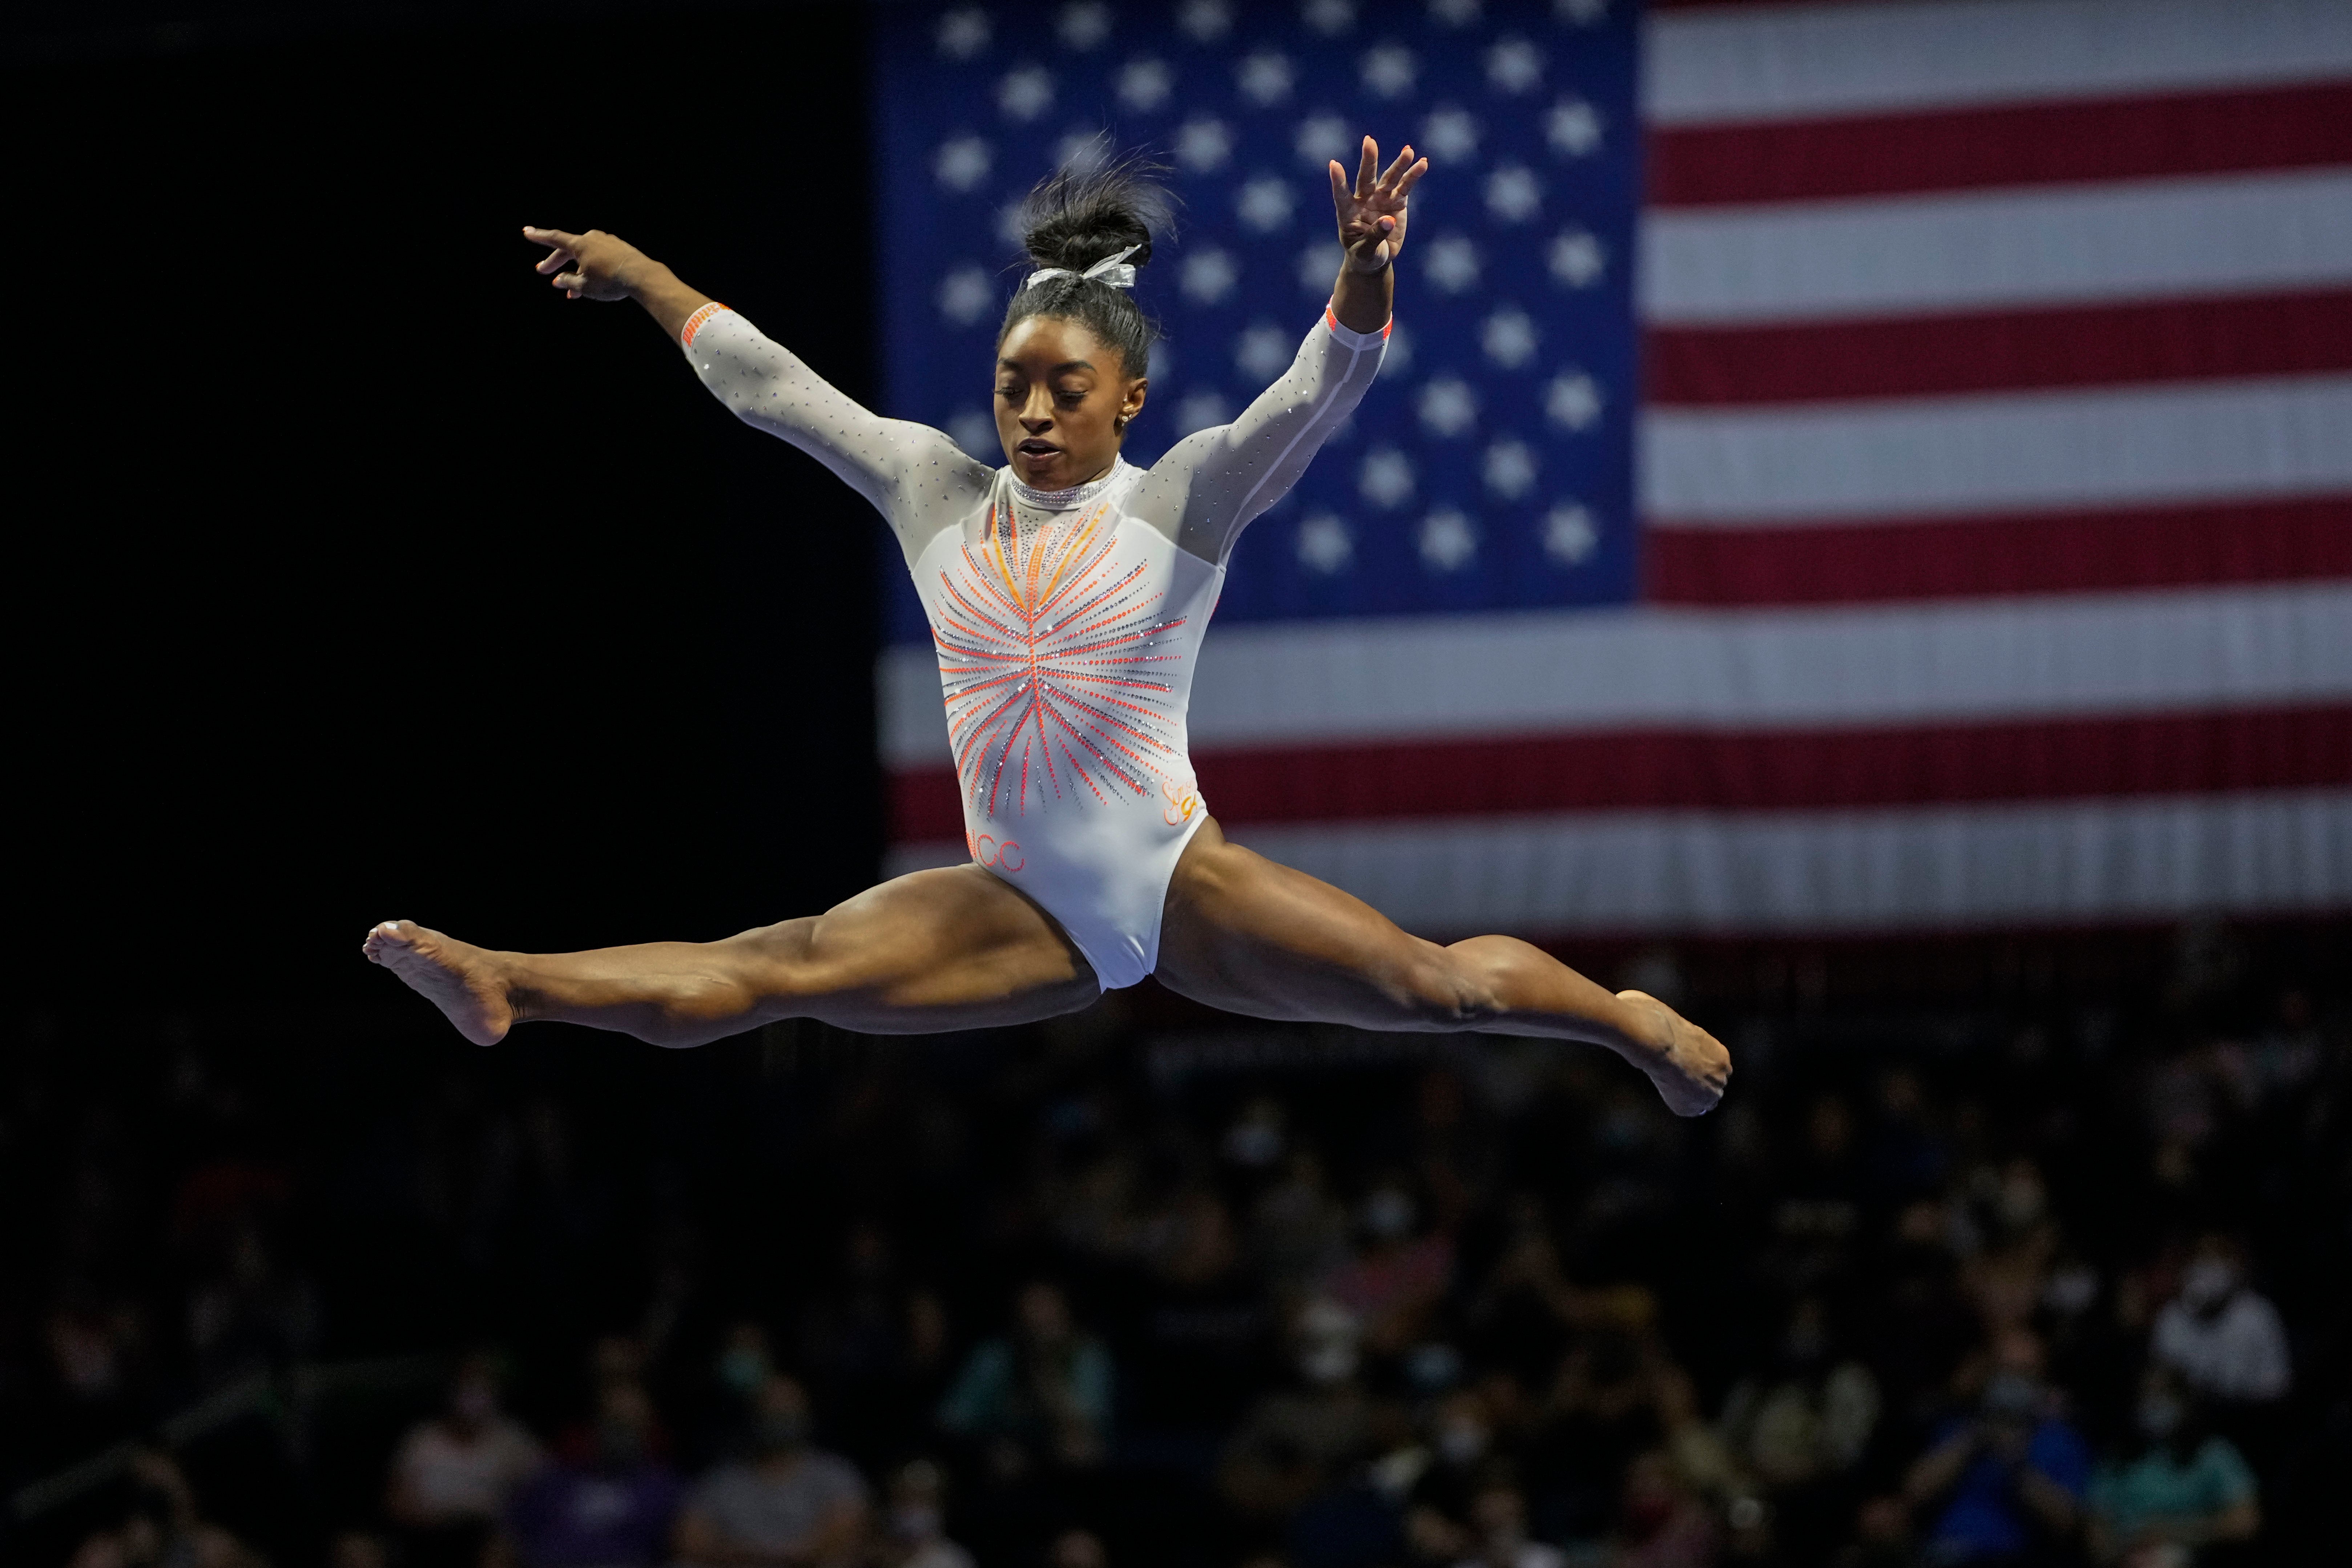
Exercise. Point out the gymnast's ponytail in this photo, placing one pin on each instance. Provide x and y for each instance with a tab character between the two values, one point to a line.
1087	212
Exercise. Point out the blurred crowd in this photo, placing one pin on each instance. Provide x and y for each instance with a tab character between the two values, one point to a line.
2054	1281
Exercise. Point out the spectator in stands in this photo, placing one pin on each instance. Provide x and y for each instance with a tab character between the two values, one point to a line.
1361	1517
94	1344
452	1475
1916	1314
1526	1310
2008	1481
737	1372
1800	1429
1457	1457
1660	1523
1902	1158
1603	1408
789	1503
1038	1397
1498	1532
1200	1357
1256	1138
2223	1336
2188	1486
1823	1185
1298	1230
614	1510
858	1341
1701	1460
743	1365
162	1529
1396	1275
1882	1537
914	1535
1297	1439
252	1316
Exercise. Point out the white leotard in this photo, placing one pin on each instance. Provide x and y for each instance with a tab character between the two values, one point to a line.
1067	623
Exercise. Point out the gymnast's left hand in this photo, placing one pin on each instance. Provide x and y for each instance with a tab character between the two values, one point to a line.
591	265
1371	213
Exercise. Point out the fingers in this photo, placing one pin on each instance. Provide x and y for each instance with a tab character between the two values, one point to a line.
1372	182
1340	194
564	247
561	246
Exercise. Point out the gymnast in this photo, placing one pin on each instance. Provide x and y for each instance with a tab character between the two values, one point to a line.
1067	594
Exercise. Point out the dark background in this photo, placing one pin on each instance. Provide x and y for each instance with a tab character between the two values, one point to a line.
361	575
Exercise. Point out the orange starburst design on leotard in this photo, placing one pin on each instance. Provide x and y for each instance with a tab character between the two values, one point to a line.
1047	650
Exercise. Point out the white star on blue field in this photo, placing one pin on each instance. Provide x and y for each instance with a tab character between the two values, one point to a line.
1490	469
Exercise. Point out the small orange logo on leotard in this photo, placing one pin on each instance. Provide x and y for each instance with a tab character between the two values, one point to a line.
1004	856
1184	800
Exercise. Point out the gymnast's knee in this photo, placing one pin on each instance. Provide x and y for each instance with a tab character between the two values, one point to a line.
774	968
1443	989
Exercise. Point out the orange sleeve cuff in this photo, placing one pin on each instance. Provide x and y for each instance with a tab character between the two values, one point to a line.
694	323
1349	336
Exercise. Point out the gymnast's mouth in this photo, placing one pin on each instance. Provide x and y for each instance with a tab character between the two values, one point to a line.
1034	448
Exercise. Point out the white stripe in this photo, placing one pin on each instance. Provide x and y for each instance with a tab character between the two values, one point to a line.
1796	62
1944	457
1689	871
1983	250
1550	672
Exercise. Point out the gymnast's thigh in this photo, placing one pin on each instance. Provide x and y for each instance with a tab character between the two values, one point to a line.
954	948
1254	936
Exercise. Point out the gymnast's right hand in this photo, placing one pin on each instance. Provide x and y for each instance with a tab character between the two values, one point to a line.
591	265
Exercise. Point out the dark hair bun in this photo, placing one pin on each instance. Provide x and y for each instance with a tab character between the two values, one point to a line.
1088	210
1093	207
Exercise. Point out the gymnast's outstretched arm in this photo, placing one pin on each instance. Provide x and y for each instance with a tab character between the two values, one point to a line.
1213	483
914	476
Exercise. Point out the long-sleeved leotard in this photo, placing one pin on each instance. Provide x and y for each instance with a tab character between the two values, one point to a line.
1067	623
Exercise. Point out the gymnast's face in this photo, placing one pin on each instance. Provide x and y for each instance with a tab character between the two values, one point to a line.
1063	401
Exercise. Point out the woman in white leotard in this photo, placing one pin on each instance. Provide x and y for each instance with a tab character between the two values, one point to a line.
1067	594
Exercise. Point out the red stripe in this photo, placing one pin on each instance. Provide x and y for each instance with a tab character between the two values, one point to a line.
2045	553
2017	144
2062	759
2173	340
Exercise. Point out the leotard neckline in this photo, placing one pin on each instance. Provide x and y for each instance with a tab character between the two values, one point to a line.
1063	500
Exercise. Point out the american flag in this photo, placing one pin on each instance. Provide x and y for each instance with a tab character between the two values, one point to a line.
1839	467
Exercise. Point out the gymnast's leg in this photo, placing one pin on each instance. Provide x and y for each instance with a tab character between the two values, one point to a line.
948	948
1246	934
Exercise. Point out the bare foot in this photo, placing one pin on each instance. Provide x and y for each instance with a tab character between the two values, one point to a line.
1689	1066
461	981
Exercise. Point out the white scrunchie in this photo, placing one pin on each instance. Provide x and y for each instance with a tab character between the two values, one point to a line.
1112	269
